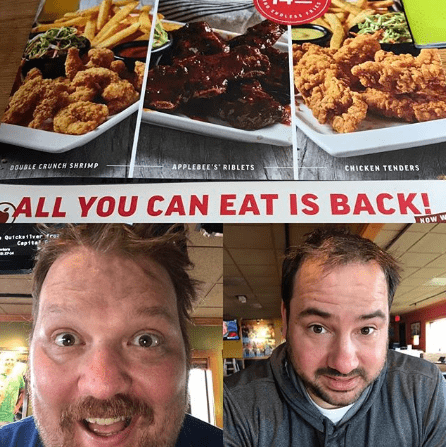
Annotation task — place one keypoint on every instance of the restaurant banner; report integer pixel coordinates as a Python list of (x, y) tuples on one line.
[(405, 201), (225, 94)]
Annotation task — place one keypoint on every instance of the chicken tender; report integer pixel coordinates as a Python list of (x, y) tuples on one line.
[(389, 105), (34, 73), (429, 110), (325, 88), (402, 74), (349, 120), (316, 65), (80, 117), (340, 86), (408, 107), (356, 51)]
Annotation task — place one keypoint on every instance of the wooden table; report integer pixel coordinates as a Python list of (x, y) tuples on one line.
[(16, 18), (108, 155), (171, 154), (425, 163)]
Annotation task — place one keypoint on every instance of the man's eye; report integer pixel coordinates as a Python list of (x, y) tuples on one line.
[(318, 329), (66, 339), (367, 330), (147, 340)]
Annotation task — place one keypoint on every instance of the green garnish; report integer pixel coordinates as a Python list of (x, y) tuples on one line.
[(394, 25), (54, 42), (160, 36)]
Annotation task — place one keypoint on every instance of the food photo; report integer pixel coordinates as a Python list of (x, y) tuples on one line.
[(70, 80), (241, 80), (369, 89), (73, 106), (218, 88)]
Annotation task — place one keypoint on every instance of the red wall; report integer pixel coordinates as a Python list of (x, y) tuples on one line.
[(429, 313)]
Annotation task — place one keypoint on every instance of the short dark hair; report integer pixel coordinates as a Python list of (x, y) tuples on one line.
[(333, 247), (165, 244)]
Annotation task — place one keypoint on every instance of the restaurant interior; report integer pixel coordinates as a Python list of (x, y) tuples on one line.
[(205, 249), (252, 260)]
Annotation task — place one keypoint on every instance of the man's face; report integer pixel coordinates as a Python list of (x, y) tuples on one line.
[(108, 361), (7, 363), (337, 330)]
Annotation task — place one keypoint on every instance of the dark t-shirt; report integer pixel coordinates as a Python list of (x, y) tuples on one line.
[(194, 433)]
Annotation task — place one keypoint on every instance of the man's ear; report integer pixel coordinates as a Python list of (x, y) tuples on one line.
[(284, 320)]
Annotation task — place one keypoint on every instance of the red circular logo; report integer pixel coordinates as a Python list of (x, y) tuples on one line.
[(292, 12)]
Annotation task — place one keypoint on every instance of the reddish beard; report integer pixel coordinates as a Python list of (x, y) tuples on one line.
[(164, 434), (117, 406)]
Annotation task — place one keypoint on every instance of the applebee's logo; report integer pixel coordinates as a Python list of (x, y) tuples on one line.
[(292, 12), (7, 210)]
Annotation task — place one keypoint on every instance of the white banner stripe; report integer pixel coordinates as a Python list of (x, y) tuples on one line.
[(362, 202)]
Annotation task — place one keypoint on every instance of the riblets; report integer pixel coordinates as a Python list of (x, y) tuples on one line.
[(202, 76), (247, 106), (243, 81), (196, 38), (263, 35)]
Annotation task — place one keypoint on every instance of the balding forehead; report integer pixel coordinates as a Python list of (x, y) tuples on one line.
[(96, 263), (105, 279), (318, 267)]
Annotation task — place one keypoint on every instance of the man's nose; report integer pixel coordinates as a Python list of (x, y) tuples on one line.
[(343, 355), (104, 373)]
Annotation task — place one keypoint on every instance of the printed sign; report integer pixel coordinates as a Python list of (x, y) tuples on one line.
[(292, 12)]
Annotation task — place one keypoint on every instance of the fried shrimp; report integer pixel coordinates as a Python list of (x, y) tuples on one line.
[(96, 77), (35, 102), (73, 63), (94, 87), (119, 95), (80, 117), (50, 101), (139, 72), (100, 57)]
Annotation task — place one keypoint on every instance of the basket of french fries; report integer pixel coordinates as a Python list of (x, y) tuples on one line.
[(343, 15), (110, 23)]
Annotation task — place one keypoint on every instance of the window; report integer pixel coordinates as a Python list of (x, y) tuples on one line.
[(201, 395), (436, 336)]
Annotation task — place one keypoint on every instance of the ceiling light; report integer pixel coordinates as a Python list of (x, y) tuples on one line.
[(242, 298), (210, 229), (436, 282)]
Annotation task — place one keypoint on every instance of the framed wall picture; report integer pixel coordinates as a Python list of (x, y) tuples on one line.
[(415, 329)]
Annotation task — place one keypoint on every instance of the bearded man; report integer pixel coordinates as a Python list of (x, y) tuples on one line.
[(334, 383), (109, 353)]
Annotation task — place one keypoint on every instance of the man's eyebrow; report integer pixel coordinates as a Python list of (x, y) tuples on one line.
[(376, 314), (313, 311), (56, 309), (155, 311), (145, 311)]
